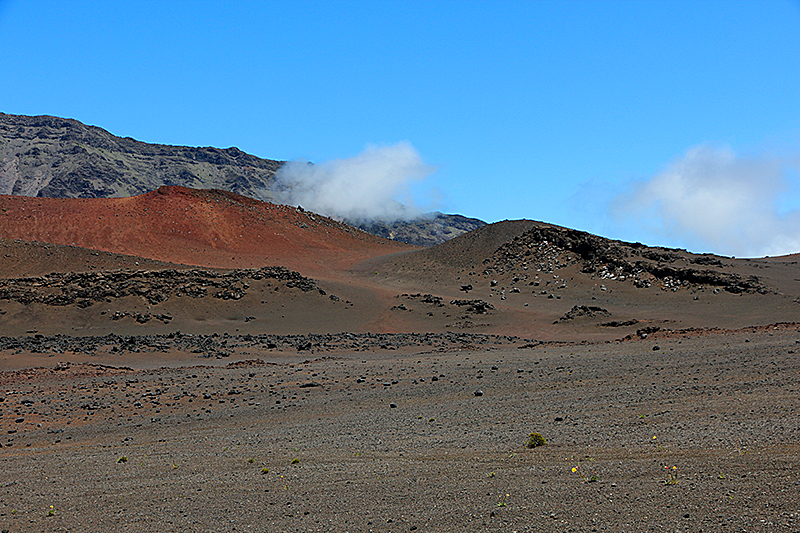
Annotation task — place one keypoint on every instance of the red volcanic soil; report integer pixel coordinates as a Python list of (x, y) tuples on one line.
[(211, 228), (171, 228)]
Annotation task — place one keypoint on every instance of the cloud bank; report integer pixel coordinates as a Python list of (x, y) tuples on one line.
[(360, 188), (720, 202)]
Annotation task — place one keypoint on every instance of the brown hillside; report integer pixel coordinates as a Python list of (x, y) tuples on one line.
[(545, 281)]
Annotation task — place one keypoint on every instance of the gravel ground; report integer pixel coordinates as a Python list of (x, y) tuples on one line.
[(405, 442)]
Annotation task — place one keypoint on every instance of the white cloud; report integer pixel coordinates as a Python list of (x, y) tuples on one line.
[(364, 187), (722, 202)]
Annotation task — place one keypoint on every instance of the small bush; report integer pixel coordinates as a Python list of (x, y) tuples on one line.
[(534, 440), (123, 459)]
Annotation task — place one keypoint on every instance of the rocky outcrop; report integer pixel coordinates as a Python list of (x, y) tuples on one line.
[(546, 248), (436, 301), (583, 311), (478, 307)]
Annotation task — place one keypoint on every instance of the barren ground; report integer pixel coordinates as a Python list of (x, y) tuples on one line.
[(301, 444), (189, 388)]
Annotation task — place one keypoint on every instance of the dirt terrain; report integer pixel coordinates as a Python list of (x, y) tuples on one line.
[(383, 441), (198, 361)]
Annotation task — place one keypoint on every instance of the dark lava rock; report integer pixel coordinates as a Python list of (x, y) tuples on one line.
[(474, 306), (577, 311), (154, 286)]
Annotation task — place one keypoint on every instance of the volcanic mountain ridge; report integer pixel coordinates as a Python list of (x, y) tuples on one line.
[(45, 156), (521, 250), (55, 157), (551, 248)]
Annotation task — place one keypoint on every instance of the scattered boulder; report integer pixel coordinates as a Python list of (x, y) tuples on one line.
[(474, 306), (619, 323), (580, 311)]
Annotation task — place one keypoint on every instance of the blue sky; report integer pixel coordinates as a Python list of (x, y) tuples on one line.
[(671, 123)]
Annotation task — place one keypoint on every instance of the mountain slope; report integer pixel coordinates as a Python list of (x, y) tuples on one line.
[(54, 157), (194, 227), (553, 282)]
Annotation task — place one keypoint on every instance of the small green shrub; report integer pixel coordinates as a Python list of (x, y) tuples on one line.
[(534, 440), (670, 475), (123, 459)]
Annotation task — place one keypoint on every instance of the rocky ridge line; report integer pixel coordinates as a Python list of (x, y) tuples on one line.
[(428, 230), (62, 158)]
